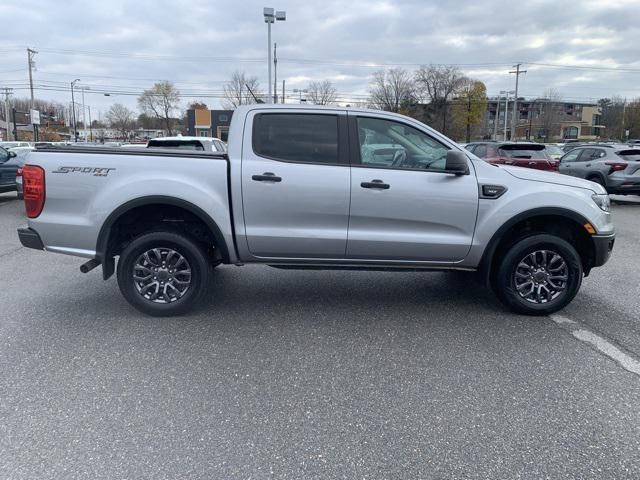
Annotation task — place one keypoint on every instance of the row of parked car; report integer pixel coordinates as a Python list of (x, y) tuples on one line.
[(614, 166)]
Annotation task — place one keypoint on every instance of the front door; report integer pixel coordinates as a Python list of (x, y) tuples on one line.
[(296, 184), (406, 207)]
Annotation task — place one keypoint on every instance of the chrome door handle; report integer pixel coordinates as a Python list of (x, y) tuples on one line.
[(266, 177)]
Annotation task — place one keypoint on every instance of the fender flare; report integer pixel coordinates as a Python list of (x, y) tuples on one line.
[(489, 252), (102, 244)]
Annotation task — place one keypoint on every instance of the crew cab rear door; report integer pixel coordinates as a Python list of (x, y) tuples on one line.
[(406, 208), (296, 183)]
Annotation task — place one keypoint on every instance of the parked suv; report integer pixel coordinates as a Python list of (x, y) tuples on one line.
[(616, 169), (529, 155)]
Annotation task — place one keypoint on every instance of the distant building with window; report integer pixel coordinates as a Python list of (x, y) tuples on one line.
[(542, 119), (209, 123)]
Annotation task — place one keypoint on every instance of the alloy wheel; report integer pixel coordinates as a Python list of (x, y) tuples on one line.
[(541, 276), (162, 275)]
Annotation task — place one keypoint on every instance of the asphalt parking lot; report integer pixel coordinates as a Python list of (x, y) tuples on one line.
[(286, 374)]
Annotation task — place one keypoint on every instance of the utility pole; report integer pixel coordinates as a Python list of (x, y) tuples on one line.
[(275, 73), (506, 114), (73, 110), (495, 122), (623, 134), (30, 54), (282, 91), (90, 127), (514, 115), (7, 92)]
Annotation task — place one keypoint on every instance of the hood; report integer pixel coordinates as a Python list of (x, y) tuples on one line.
[(552, 177)]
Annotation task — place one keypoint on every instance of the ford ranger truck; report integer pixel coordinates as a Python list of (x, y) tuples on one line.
[(310, 187)]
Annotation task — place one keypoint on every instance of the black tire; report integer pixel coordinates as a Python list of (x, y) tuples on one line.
[(164, 306), (597, 179), (506, 277)]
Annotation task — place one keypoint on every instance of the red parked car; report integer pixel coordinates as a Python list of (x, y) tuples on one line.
[(528, 155)]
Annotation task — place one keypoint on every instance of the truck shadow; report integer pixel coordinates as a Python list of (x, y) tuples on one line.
[(259, 292)]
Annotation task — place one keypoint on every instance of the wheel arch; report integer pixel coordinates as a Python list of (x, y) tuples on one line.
[(575, 220), (103, 245)]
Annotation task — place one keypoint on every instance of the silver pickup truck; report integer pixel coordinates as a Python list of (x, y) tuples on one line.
[(311, 187)]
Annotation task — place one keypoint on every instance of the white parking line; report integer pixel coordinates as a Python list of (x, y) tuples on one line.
[(603, 346), (559, 319), (609, 350)]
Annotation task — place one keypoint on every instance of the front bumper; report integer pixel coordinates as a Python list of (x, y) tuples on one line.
[(603, 246), (30, 238)]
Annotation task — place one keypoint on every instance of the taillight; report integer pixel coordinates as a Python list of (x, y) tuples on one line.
[(33, 189), (615, 166)]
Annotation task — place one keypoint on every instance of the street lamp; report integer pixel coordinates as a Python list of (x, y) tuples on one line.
[(73, 110), (506, 109), (84, 118), (270, 16)]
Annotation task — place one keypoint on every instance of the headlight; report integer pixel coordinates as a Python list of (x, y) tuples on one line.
[(602, 201)]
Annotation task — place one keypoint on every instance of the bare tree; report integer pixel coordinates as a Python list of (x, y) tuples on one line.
[(437, 84), (161, 101), (549, 113), (120, 118), (240, 90), (392, 89), (322, 93)]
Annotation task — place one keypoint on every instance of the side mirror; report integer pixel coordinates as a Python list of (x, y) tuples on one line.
[(457, 163), (12, 154)]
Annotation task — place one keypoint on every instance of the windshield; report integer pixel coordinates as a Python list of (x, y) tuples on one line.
[(554, 150)]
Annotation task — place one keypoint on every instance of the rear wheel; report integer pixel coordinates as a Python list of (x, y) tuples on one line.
[(539, 275), (163, 273), (597, 179)]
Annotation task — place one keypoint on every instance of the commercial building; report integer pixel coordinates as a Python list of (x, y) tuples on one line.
[(544, 119), (209, 123)]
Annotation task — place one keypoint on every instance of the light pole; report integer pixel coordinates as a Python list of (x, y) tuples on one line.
[(270, 16), (73, 110), (84, 117), (506, 93)]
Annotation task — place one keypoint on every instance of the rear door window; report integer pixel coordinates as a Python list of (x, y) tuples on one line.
[(586, 155), (295, 137)]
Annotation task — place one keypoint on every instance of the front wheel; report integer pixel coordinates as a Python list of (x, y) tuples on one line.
[(163, 273), (539, 275)]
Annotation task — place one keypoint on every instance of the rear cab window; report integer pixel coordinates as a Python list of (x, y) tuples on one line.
[(176, 144)]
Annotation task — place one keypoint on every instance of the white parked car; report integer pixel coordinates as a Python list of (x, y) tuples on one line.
[(205, 144)]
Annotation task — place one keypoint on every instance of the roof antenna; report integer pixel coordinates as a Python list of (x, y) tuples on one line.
[(254, 97)]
